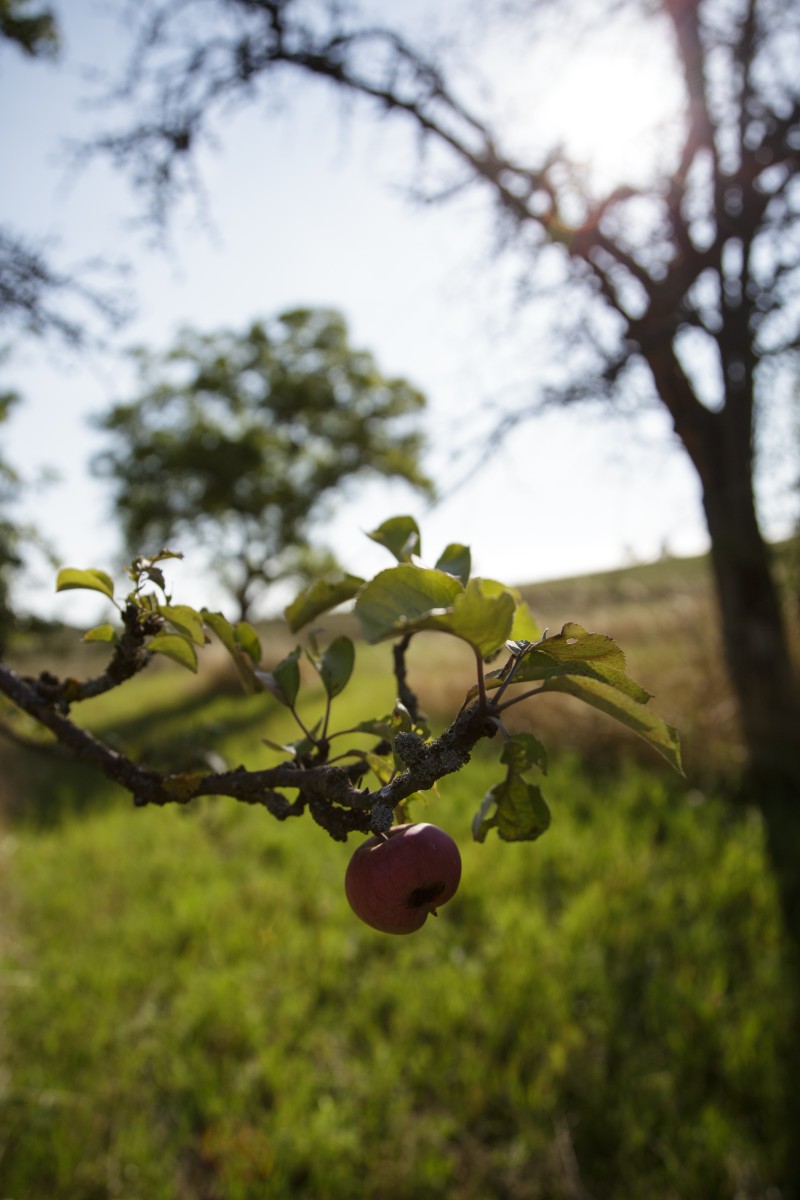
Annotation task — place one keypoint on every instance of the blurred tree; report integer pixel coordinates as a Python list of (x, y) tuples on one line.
[(10, 533), (36, 297), (237, 439), (25, 277), (705, 255), (35, 33)]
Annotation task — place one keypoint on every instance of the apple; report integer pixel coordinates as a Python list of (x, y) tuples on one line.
[(393, 881)]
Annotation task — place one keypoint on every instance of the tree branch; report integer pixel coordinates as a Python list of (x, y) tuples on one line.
[(327, 791)]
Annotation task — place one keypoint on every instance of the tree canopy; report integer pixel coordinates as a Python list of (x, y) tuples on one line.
[(34, 33), (37, 297), (10, 534), (237, 440), (679, 289)]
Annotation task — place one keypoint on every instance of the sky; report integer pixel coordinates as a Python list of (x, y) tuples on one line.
[(311, 207)]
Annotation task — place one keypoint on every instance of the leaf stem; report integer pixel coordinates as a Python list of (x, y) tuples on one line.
[(307, 733), (523, 696), (326, 718), (481, 683), (513, 665)]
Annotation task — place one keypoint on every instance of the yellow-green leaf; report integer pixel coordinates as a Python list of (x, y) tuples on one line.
[(631, 712), (101, 633), (247, 639), (400, 536), (226, 633), (525, 627), (186, 620), (178, 648), (320, 597), (403, 599), (70, 578), (575, 644)]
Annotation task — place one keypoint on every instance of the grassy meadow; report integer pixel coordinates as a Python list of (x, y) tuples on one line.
[(189, 1011)]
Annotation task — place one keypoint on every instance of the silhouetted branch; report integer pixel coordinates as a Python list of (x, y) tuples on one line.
[(36, 296)]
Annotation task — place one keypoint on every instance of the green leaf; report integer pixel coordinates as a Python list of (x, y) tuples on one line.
[(296, 749), (186, 620), (382, 768), (101, 633), (222, 628), (400, 535), (538, 665), (407, 599), (70, 578), (520, 811), (319, 597), (165, 554), (179, 649), (482, 618), (380, 727), (631, 712), (575, 644), (156, 576), (403, 599), (401, 718), (336, 665), (597, 678), (522, 751), (283, 682), (247, 639), (525, 627), (456, 560)]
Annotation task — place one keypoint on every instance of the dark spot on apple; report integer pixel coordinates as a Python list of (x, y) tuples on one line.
[(424, 895)]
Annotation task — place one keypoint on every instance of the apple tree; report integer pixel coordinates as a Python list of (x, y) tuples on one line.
[(697, 263), (361, 779)]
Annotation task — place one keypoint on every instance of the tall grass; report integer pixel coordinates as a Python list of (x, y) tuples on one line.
[(191, 1012)]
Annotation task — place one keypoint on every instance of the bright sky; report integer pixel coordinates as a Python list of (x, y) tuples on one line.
[(308, 209)]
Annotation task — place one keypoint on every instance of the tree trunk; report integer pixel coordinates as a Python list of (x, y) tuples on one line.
[(759, 661), (754, 633), (758, 654), (752, 624)]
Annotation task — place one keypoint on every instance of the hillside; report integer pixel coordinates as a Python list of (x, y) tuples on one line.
[(663, 614)]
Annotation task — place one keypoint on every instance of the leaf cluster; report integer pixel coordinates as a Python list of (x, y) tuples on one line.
[(325, 768)]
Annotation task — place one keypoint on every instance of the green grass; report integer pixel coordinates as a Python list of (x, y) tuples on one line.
[(192, 1011), (189, 1011)]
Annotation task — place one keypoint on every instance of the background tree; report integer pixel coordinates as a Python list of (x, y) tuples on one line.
[(10, 534), (237, 440), (34, 33), (36, 297), (705, 252)]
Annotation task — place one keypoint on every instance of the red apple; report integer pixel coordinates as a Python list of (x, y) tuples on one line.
[(393, 882)]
